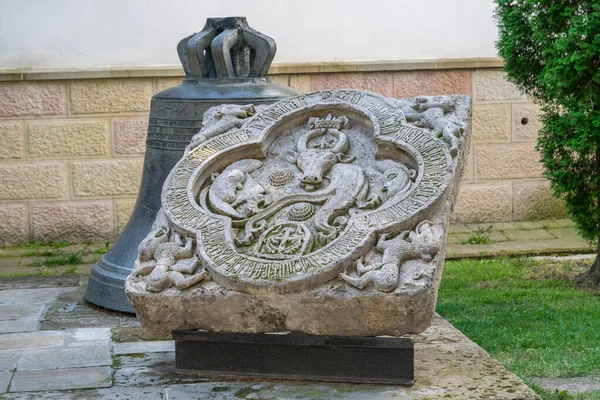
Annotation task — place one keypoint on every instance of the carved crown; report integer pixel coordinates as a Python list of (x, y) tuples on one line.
[(328, 122)]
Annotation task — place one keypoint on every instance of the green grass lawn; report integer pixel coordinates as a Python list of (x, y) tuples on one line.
[(529, 315)]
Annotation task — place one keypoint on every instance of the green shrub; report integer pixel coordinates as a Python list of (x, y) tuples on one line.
[(551, 51)]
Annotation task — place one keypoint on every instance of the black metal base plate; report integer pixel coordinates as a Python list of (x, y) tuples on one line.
[(296, 356)]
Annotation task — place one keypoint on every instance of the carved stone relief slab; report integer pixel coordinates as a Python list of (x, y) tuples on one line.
[(340, 188)]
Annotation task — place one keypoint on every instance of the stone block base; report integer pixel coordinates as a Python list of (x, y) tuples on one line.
[(332, 309)]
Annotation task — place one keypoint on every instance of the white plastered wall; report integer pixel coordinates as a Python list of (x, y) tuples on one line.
[(122, 33)]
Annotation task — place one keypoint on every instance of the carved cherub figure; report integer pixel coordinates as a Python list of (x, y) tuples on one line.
[(422, 243), (229, 116), (166, 262), (436, 113)]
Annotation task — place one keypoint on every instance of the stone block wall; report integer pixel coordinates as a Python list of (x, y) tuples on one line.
[(71, 151)]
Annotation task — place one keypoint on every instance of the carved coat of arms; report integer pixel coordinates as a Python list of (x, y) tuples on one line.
[(329, 186)]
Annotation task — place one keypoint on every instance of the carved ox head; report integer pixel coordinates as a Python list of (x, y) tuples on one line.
[(315, 162)]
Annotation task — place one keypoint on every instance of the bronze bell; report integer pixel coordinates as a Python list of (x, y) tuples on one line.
[(226, 62)]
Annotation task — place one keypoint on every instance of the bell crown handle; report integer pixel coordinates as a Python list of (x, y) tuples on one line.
[(226, 48)]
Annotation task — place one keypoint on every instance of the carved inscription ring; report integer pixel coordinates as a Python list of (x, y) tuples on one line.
[(288, 256)]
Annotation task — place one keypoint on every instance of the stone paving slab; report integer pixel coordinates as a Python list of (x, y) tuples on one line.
[(8, 360), (71, 311), (31, 340), (282, 390), (88, 337), (149, 360), (529, 247), (34, 296), (535, 234), (496, 226), (144, 347), (458, 238), (12, 312), (5, 378), (61, 379), (42, 281), (516, 238), (113, 393), (147, 369), (19, 325), (572, 385), (146, 376), (61, 358)]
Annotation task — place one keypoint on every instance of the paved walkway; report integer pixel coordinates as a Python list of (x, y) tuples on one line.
[(56, 346), (513, 238)]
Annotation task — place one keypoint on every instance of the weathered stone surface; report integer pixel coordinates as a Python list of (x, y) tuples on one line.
[(26, 296), (144, 347), (129, 135), (535, 234), (44, 180), (534, 200), (70, 137), (272, 390), (8, 360), (491, 85), (300, 82), (73, 357), (378, 82), (5, 378), (19, 325), (479, 203), (61, 379), (106, 177), (78, 221), (20, 99), (15, 227), (91, 96), (124, 209), (507, 161), (83, 335), (18, 311), (525, 122), (491, 123), (432, 83), (572, 385), (463, 370), (109, 393), (330, 310), (11, 137), (31, 340), (292, 238)]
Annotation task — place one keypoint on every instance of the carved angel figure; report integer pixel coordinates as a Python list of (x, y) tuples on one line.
[(165, 262), (441, 114), (229, 116), (423, 243)]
